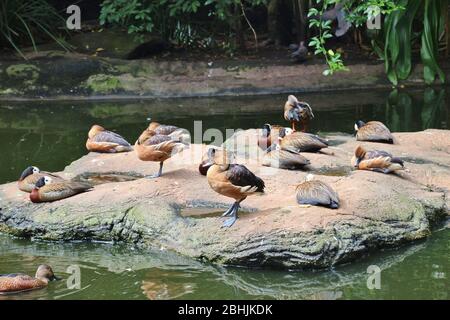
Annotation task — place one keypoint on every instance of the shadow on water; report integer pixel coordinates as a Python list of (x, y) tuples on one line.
[(120, 272), (52, 134)]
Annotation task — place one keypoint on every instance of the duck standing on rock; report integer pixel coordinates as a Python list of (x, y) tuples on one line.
[(374, 131), (47, 190), (19, 282), (270, 134), (151, 146), (102, 140), (316, 193), (376, 160), (297, 111), (31, 175), (231, 180), (301, 142)]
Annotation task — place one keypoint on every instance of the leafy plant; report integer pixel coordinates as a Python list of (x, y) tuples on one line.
[(27, 22)]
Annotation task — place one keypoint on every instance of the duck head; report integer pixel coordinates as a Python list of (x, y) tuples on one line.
[(95, 129), (284, 132), (218, 157), (359, 124), (145, 135), (45, 273), (267, 128), (153, 125), (360, 153), (42, 182), (29, 171)]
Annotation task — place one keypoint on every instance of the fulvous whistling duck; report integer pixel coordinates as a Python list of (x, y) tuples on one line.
[(19, 282), (231, 180), (296, 111), (174, 132), (374, 131), (270, 135), (31, 175), (376, 160), (102, 140), (301, 142), (283, 159), (157, 147), (47, 190), (316, 193)]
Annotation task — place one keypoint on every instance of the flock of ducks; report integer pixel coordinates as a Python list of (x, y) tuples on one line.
[(283, 149)]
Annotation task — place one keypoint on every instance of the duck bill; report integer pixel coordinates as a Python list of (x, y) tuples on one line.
[(207, 164)]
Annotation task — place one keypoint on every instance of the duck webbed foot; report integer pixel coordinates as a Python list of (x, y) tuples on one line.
[(158, 174), (232, 213)]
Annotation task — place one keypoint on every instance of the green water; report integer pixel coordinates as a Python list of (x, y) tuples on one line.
[(52, 134)]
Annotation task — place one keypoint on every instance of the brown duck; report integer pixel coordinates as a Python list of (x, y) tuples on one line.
[(47, 190), (102, 140), (376, 160), (373, 131), (19, 282), (174, 132), (157, 147), (270, 134), (233, 181), (283, 159), (301, 142), (297, 112), (31, 175), (316, 193)]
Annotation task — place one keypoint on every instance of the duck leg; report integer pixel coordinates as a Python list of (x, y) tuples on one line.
[(293, 125), (230, 209), (232, 214), (158, 174)]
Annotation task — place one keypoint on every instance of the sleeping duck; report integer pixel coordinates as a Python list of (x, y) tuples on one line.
[(47, 190), (376, 160), (316, 193), (373, 131), (283, 159), (270, 134), (231, 180), (102, 140), (301, 142)]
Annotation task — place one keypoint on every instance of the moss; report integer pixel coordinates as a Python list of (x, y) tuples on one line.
[(103, 83), (9, 91), (27, 72)]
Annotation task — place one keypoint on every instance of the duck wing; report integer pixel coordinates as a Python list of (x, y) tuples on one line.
[(374, 131), (303, 142), (284, 159), (166, 129), (239, 175), (317, 193), (111, 137)]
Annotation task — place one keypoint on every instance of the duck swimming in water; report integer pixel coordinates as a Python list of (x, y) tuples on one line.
[(297, 111), (233, 181), (373, 131), (376, 160), (102, 140), (270, 135), (316, 193), (31, 175), (47, 190), (301, 142), (19, 282), (151, 146), (283, 159)]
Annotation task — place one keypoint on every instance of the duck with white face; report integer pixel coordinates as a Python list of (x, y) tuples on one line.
[(31, 175), (270, 134), (48, 190), (373, 131)]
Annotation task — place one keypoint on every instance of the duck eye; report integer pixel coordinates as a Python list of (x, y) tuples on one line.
[(35, 170)]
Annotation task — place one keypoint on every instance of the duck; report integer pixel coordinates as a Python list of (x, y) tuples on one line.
[(297, 111), (233, 181), (283, 159), (204, 164), (151, 146), (31, 175), (47, 190), (374, 131), (270, 134), (300, 52), (172, 131), (376, 160), (313, 192), (299, 141), (19, 282), (102, 140)]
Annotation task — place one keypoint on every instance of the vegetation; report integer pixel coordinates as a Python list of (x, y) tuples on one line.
[(28, 22)]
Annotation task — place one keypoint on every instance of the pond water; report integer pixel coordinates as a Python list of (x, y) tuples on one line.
[(51, 135)]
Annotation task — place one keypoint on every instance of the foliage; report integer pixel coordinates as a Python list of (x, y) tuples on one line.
[(26, 22), (172, 19)]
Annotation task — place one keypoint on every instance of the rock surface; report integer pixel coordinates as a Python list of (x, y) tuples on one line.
[(179, 212)]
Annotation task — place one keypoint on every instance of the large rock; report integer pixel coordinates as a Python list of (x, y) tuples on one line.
[(179, 212)]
